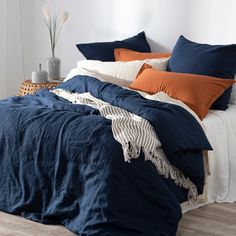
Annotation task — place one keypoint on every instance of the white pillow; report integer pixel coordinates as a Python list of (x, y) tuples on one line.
[(121, 70), (105, 78)]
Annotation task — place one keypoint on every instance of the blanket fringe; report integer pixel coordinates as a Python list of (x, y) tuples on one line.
[(163, 166)]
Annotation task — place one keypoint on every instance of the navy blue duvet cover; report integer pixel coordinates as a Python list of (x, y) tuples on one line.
[(59, 163)]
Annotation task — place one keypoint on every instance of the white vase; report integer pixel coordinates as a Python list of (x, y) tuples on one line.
[(53, 68)]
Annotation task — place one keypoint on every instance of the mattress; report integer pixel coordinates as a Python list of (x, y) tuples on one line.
[(221, 131)]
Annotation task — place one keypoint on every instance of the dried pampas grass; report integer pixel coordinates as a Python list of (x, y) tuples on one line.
[(54, 25)]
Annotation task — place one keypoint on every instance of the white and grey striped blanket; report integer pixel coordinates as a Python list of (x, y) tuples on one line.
[(134, 134)]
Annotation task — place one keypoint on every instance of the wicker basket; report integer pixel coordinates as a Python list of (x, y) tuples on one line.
[(27, 87)]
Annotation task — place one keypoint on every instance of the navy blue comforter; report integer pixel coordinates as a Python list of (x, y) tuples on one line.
[(60, 164)]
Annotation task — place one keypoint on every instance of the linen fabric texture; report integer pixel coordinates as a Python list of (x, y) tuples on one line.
[(82, 163), (123, 54), (204, 59), (104, 51), (121, 73), (196, 91)]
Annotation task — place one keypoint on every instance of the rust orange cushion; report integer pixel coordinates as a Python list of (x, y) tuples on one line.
[(196, 91), (123, 54)]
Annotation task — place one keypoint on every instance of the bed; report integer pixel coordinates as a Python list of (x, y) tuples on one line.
[(103, 159)]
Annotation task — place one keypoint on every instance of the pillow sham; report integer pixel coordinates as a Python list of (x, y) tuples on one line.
[(104, 51), (123, 54), (204, 59), (121, 70), (196, 91)]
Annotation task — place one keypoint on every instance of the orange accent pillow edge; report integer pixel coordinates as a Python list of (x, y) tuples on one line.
[(123, 54)]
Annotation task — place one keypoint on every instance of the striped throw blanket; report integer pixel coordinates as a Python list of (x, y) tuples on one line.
[(134, 134)]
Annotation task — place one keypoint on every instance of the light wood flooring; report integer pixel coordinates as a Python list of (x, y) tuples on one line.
[(211, 220)]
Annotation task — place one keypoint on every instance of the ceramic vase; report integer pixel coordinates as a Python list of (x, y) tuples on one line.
[(53, 68), (39, 76)]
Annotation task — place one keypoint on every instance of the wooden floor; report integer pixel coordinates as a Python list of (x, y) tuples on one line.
[(211, 220)]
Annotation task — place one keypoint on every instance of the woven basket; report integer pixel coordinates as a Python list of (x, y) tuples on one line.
[(27, 87)]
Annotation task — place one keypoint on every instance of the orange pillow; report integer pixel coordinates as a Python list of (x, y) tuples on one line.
[(196, 91), (123, 54)]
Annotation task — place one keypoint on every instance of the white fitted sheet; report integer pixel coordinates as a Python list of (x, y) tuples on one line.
[(221, 131)]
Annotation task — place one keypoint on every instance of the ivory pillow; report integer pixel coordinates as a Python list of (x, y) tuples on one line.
[(121, 70), (104, 78)]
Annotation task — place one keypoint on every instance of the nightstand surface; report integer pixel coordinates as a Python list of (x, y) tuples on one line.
[(27, 87)]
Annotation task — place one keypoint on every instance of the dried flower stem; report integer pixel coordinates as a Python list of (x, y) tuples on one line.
[(54, 26)]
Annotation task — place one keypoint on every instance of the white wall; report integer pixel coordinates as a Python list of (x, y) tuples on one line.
[(12, 37), (209, 21)]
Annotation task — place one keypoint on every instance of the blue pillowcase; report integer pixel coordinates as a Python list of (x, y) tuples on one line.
[(104, 51), (203, 59)]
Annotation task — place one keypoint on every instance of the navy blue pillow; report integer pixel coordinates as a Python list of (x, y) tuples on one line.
[(204, 59), (104, 51)]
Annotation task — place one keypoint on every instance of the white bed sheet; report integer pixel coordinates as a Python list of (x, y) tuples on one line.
[(221, 131)]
